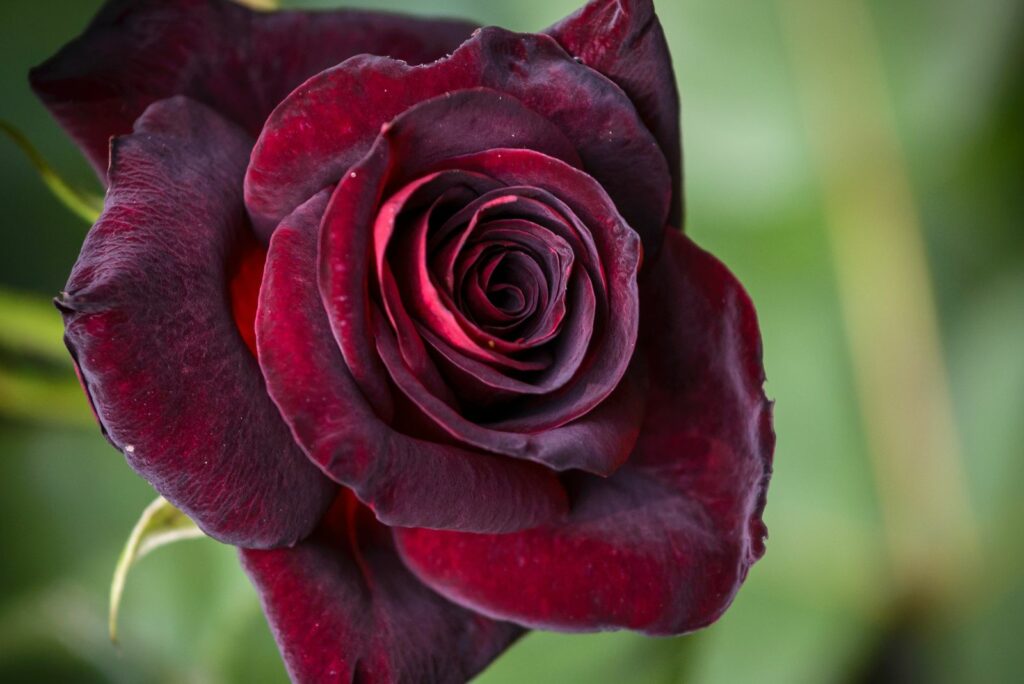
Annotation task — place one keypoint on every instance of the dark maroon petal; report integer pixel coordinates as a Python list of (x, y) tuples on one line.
[(619, 250), (414, 354), (409, 146), (346, 243), (440, 321), (481, 383), (330, 122), (664, 544), (406, 481), (598, 442), (474, 364), (239, 62), (623, 40), (496, 287), (343, 608), (557, 431), (548, 214), (149, 322)]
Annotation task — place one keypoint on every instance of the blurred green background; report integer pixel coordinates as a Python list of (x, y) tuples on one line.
[(860, 167)]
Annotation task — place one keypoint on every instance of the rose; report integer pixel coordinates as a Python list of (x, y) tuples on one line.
[(416, 333)]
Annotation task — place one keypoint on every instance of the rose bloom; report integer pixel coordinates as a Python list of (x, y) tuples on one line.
[(402, 308)]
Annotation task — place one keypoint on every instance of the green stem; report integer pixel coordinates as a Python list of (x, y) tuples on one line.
[(86, 205)]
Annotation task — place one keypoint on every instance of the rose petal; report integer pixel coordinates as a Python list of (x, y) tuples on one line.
[(440, 316), (344, 608), (149, 323), (412, 146), (623, 40), (348, 104), (598, 442), (545, 211), (405, 147), (239, 62), (454, 338), (620, 260), (664, 544), (485, 385), (442, 322), (406, 481), (543, 431), (537, 305)]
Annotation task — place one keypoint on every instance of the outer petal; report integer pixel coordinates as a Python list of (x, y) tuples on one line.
[(149, 323), (239, 62), (349, 103), (623, 40), (345, 609), (405, 480), (663, 545)]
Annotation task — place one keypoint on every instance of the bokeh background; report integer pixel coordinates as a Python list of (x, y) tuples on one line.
[(859, 164)]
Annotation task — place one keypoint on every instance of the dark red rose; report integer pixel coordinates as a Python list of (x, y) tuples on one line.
[(401, 308)]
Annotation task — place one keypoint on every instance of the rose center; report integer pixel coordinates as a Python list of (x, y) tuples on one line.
[(504, 288), (501, 276)]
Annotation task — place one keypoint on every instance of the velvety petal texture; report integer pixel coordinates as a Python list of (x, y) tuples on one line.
[(293, 160), (343, 608), (663, 545), (149, 321), (384, 347), (406, 481), (399, 307), (623, 40), (238, 61)]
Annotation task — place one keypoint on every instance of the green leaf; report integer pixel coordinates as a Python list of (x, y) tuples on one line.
[(85, 204), (160, 524)]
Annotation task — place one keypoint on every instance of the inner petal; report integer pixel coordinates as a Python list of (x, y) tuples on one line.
[(508, 299), (545, 272), (401, 235), (504, 290)]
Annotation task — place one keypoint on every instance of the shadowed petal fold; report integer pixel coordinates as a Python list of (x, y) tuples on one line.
[(662, 545), (343, 608), (148, 319), (239, 62)]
